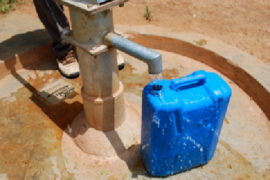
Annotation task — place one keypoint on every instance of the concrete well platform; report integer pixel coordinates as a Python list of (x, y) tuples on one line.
[(35, 121)]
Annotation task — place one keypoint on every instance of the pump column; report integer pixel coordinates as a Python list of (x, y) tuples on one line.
[(102, 91)]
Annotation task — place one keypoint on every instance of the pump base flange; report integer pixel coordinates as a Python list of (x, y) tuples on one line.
[(90, 153)]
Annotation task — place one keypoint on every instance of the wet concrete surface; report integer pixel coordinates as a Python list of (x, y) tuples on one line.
[(31, 129)]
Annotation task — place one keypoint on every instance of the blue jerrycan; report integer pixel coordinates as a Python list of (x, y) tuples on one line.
[(181, 121)]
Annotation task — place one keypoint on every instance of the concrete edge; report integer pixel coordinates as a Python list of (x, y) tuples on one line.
[(248, 72)]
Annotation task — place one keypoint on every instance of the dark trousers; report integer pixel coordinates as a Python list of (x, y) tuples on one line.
[(52, 16)]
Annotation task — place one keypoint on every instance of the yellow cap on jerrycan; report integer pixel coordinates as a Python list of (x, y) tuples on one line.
[(181, 121)]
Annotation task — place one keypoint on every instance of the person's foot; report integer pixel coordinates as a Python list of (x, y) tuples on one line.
[(69, 66)]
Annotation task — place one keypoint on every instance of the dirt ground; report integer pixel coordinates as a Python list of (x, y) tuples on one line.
[(244, 24)]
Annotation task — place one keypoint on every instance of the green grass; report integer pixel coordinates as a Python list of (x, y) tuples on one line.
[(148, 14), (6, 5)]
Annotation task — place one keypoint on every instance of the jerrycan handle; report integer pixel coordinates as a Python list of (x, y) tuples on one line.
[(191, 81)]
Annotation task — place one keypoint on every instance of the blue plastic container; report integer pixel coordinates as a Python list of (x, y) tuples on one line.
[(181, 122)]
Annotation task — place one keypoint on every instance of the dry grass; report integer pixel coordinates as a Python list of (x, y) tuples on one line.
[(6, 5)]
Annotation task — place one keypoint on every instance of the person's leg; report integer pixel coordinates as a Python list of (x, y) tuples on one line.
[(52, 16)]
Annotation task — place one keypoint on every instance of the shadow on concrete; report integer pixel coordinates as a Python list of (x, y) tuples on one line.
[(58, 112), (119, 148), (21, 43), (26, 51)]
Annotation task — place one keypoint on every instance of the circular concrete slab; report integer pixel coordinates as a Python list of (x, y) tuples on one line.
[(32, 126)]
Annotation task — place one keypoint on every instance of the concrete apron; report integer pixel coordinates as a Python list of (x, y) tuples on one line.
[(38, 107)]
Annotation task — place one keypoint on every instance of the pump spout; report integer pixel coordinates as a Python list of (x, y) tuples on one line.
[(150, 57)]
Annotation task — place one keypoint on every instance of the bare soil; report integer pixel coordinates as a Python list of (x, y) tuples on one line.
[(244, 24)]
